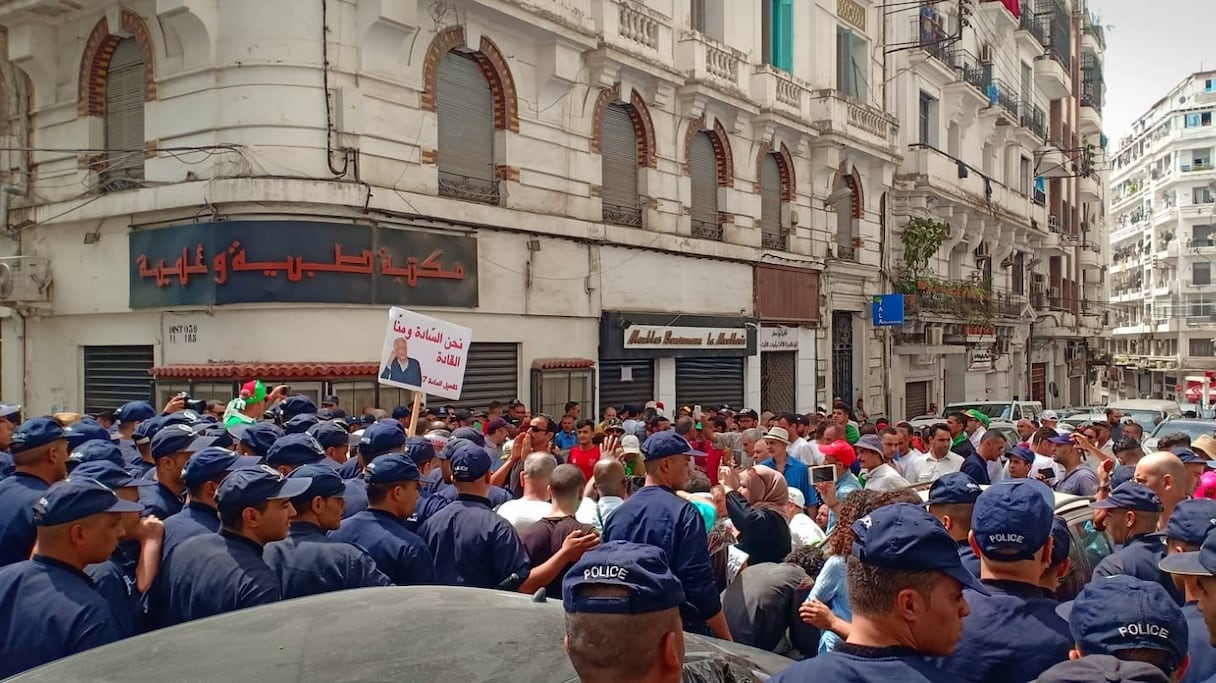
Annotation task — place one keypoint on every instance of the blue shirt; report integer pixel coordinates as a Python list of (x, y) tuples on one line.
[(131, 454), (563, 440), (832, 589), (355, 497), (967, 555), (858, 664), (397, 551), (497, 494), (431, 483), (411, 374), (216, 573), (1139, 557), (160, 501), (349, 469), (195, 519), (6, 464), (976, 467), (115, 581), (1203, 655), (18, 494), (1011, 636), (797, 476), (308, 562), (474, 546), (845, 484), (656, 516), (1082, 481), (48, 610)]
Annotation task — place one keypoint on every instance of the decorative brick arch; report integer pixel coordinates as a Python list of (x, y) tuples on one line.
[(852, 180), (785, 166), (639, 113), (95, 62), (493, 66), (722, 154)]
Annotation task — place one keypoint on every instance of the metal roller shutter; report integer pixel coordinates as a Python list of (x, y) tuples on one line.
[(124, 118), (114, 375), (465, 118), (709, 381), (704, 172), (492, 374), (615, 392), (778, 385), (916, 399), (619, 165)]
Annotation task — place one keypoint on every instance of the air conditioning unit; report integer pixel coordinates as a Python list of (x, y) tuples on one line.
[(986, 54), (25, 279), (934, 335)]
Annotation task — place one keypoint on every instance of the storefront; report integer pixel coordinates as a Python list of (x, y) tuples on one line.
[(787, 303), (779, 368), (677, 359)]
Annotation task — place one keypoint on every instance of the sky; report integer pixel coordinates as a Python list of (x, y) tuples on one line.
[(1150, 48)]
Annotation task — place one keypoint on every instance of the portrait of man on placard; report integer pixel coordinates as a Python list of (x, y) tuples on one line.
[(400, 367)]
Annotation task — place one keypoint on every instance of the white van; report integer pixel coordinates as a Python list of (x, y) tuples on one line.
[(1147, 412)]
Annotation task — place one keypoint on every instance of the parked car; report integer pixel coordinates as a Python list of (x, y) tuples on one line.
[(1147, 412), (1079, 419), (1194, 410), (1193, 428), (323, 638), (1000, 410)]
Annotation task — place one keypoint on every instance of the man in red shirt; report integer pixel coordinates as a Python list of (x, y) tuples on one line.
[(585, 453), (708, 463)]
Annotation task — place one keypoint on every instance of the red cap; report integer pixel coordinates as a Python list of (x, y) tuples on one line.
[(840, 451)]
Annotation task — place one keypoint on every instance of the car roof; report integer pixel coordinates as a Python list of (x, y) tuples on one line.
[(1080, 418), (498, 636), (1144, 404)]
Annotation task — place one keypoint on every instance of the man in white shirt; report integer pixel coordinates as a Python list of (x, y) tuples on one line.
[(938, 461), (879, 475), (526, 510), (803, 529), (604, 493), (800, 449), (1044, 460), (1051, 420)]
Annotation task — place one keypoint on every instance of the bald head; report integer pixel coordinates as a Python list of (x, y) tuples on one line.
[(539, 466), (1165, 474), (609, 476), (566, 483)]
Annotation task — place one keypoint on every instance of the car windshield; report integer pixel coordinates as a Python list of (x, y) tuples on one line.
[(1145, 418), (994, 410), (1191, 429)]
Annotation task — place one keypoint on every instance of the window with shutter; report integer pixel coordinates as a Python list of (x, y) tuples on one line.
[(772, 234), (619, 165), (704, 172), (123, 121), (465, 118)]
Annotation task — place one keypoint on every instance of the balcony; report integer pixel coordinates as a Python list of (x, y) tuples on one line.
[(1201, 246), (1051, 78), (1031, 35), (1005, 110), (1091, 191), (704, 60), (1090, 257), (778, 91), (833, 112), (1093, 90), (966, 300), (634, 29), (1002, 15), (1034, 119)]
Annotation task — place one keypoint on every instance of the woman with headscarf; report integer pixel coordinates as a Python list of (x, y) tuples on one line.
[(756, 499)]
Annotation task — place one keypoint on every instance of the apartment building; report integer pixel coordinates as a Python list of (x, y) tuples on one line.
[(1162, 247), (1002, 109)]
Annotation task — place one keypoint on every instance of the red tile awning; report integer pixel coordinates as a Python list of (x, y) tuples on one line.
[(250, 370), (562, 363)]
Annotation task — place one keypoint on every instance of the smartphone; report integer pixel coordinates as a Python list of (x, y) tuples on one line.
[(821, 474), (696, 412), (1048, 472)]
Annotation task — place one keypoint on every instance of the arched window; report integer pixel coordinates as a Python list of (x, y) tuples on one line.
[(773, 234), (619, 166), (703, 170), (124, 118), (465, 118)]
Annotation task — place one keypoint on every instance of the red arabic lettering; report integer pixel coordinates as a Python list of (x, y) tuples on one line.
[(452, 359), (431, 335)]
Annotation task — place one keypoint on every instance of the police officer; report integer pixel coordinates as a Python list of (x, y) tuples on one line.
[(49, 606), (10, 417), (655, 515), (905, 586), (126, 419), (171, 447), (335, 440), (212, 574), (300, 424), (204, 472), (1133, 512), (40, 454), (1190, 524), (1198, 572), (296, 405), (624, 588), (1131, 619), (141, 442), (83, 431), (378, 439), (353, 467), (497, 495), (293, 450), (951, 500), (96, 451), (473, 545), (255, 439), (1061, 563), (120, 579), (1011, 532), (308, 562), (1102, 669), (392, 493)]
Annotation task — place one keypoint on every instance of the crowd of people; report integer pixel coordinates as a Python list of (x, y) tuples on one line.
[(862, 549)]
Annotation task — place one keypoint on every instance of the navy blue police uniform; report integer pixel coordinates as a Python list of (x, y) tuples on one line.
[(655, 515), (1140, 555), (160, 500), (217, 573), (1198, 563), (1012, 634), (958, 488), (258, 437), (12, 413), (472, 544), (96, 451), (397, 551), (142, 436), (300, 424), (901, 537), (331, 435), (296, 405), (293, 450), (1190, 523), (308, 562), (1113, 614), (115, 578), (128, 413), (386, 437), (48, 608), (20, 491), (85, 430)]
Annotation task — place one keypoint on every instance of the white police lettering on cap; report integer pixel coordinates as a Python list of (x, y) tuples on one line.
[(185, 429), (371, 467), (270, 470), (315, 444), (365, 440), (866, 521), (1006, 538), (972, 486), (606, 572), (1144, 630)]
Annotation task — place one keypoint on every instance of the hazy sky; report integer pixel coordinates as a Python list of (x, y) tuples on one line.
[(1150, 47)]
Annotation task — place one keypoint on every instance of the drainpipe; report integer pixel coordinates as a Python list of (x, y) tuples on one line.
[(6, 192)]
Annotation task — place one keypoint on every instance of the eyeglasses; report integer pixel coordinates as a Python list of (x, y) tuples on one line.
[(535, 428)]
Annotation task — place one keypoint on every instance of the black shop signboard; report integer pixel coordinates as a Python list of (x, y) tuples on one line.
[(237, 262)]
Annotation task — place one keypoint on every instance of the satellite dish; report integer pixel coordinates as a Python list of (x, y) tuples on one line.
[(6, 281)]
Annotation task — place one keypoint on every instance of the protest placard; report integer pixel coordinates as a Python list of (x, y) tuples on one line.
[(424, 354)]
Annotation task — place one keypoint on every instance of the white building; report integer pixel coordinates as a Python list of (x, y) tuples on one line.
[(1162, 246), (204, 191), (1002, 111)]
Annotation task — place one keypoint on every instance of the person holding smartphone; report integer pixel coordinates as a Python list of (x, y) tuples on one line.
[(1079, 479)]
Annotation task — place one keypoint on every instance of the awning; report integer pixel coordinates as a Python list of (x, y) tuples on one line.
[(562, 363), (250, 370)]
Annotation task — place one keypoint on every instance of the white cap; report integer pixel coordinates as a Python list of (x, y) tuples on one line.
[(1050, 415), (630, 444), (797, 498)]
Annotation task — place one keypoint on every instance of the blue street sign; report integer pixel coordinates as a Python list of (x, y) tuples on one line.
[(887, 310)]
